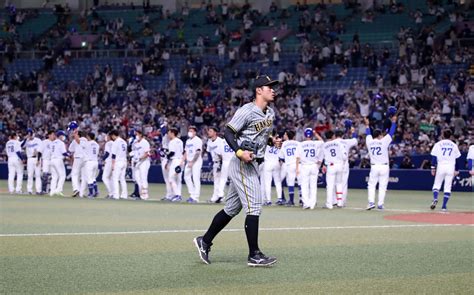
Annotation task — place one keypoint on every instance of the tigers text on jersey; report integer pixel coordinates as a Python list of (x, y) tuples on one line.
[(192, 146), (46, 149), (176, 146), (91, 151), (140, 148), (13, 146), (78, 148), (32, 147), (272, 154), (378, 149), (58, 148), (119, 149), (334, 152), (214, 147), (252, 124), (310, 151), (288, 151), (446, 152)]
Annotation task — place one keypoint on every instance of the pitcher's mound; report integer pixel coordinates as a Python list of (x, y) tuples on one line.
[(436, 217)]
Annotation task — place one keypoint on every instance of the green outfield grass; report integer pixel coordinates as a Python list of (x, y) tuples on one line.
[(99, 246)]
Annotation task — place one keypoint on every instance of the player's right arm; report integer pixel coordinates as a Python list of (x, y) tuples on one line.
[(434, 159)]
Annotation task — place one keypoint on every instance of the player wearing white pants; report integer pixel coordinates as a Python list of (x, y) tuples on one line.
[(470, 164), (443, 167), (77, 148), (141, 160), (91, 165), (33, 167), (288, 156), (58, 171), (348, 145), (107, 170), (164, 161), (175, 163), (119, 165), (192, 170), (15, 164), (334, 157), (214, 147), (272, 171), (378, 146), (308, 159), (45, 154)]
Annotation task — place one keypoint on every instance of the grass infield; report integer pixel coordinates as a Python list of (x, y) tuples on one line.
[(51, 245)]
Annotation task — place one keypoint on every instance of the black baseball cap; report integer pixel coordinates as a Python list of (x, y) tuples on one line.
[(264, 80)]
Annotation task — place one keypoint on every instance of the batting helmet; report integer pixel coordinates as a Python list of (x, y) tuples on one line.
[(308, 133), (29, 131), (72, 125), (131, 133)]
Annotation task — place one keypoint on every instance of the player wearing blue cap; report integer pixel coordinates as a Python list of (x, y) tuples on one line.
[(309, 155)]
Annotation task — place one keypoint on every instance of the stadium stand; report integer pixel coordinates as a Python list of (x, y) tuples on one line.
[(143, 66)]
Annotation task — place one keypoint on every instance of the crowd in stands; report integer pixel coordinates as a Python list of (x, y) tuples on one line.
[(204, 92)]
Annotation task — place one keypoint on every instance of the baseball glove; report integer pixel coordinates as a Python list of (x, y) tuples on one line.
[(178, 169), (248, 146)]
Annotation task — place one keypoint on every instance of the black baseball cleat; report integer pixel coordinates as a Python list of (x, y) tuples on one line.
[(258, 259), (75, 194), (203, 249), (433, 204)]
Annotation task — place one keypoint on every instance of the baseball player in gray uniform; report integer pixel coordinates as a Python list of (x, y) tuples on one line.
[(248, 134)]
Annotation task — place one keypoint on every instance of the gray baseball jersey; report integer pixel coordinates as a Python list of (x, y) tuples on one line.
[(249, 123), (252, 124)]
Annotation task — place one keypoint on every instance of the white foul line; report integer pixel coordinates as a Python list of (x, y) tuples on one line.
[(232, 230)]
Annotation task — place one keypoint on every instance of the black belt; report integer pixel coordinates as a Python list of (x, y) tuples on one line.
[(380, 164), (33, 157)]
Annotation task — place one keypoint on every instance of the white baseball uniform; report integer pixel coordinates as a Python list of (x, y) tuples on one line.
[(309, 155), (348, 145), (33, 169), (214, 147), (288, 154), (58, 171), (272, 171), (334, 157), (46, 162), (446, 153), (470, 157), (379, 166), (141, 165), (227, 153), (107, 172), (175, 146), (192, 176), (15, 166), (119, 164), (77, 179), (164, 160), (91, 158), (46, 155)]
